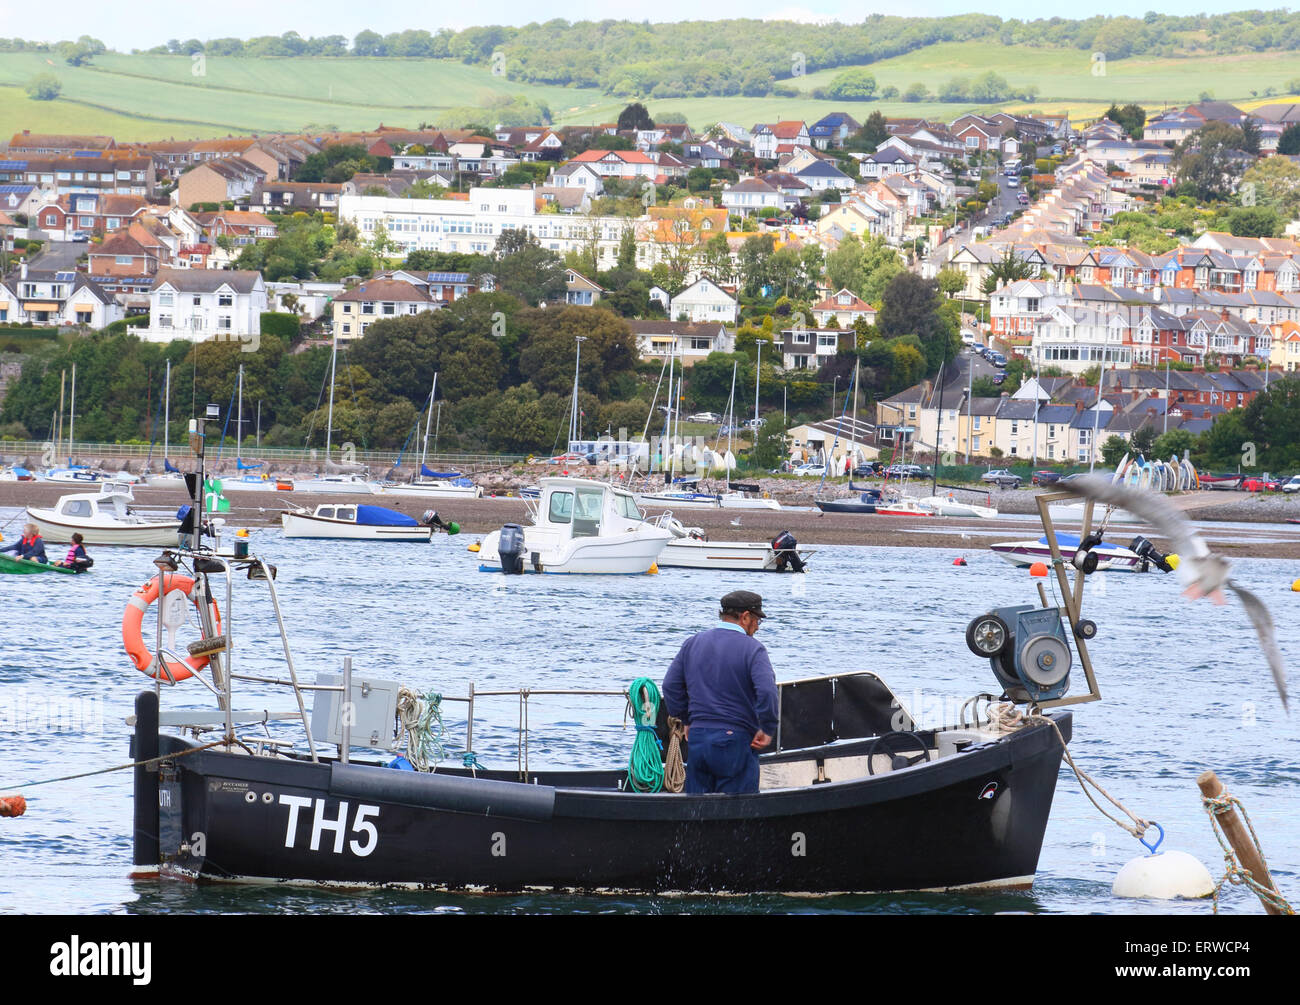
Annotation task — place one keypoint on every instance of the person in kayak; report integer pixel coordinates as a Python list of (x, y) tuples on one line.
[(31, 545), (77, 557), (721, 684)]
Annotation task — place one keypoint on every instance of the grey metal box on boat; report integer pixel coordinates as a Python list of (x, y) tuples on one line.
[(375, 710)]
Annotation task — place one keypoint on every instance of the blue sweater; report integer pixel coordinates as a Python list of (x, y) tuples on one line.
[(33, 548), (722, 678)]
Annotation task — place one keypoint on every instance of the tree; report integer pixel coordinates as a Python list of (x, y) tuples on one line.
[(873, 133), (1143, 440), (1288, 143), (635, 116), (1275, 183), (1131, 118), (1172, 444), (525, 269), (43, 87), (951, 281), (1113, 449), (852, 85), (546, 354), (1211, 160), (769, 444)]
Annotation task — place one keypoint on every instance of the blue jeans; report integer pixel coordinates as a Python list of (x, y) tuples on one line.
[(721, 760)]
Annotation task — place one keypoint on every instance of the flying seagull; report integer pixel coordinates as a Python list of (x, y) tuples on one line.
[(1203, 572)]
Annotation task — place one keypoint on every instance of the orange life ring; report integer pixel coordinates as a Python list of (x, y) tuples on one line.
[(133, 637)]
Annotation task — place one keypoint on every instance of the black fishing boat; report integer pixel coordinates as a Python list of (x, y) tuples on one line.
[(853, 795), (868, 499)]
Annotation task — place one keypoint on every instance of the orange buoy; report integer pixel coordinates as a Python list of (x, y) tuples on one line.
[(12, 806), (1038, 569), (959, 561)]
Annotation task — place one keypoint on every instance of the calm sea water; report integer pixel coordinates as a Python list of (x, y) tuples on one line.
[(1184, 688)]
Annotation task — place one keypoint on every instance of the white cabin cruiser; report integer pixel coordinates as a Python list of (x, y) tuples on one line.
[(579, 526), (104, 518), (433, 485), (342, 484), (950, 505)]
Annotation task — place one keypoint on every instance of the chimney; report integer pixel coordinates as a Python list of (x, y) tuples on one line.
[(1223, 314), (22, 270)]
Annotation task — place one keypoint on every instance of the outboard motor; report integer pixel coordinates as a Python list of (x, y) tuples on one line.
[(431, 519), (1150, 556), (510, 548), (1028, 649), (784, 545)]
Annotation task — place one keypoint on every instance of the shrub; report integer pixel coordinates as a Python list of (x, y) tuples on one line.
[(286, 326)]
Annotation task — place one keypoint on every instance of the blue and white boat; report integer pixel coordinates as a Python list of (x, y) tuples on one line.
[(432, 484), (352, 522)]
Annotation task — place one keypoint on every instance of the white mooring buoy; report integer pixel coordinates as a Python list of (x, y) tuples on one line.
[(1169, 875)]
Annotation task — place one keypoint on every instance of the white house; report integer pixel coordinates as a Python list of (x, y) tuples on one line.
[(751, 195), (202, 304), (34, 297), (704, 300)]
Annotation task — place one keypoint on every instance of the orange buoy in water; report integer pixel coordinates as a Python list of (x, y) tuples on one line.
[(12, 806), (653, 570), (1038, 569), (959, 561)]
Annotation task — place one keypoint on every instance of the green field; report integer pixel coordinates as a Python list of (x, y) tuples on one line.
[(151, 97)]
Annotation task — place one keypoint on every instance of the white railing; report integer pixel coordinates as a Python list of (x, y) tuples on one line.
[(290, 455)]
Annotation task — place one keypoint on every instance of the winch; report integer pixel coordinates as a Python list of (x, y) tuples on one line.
[(1027, 647)]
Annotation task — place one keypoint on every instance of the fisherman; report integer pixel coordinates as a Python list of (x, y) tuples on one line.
[(31, 545), (722, 687)]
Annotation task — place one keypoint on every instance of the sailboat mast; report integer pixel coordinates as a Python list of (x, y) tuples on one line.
[(731, 422), (853, 456), (167, 411), (72, 413), (259, 423), (938, 429), (668, 425), (58, 426), (239, 426), (424, 453), (573, 416), (329, 421)]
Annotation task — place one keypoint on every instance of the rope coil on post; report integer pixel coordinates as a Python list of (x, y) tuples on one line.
[(1234, 873), (645, 766)]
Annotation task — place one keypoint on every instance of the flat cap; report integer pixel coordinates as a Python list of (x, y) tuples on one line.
[(743, 600)]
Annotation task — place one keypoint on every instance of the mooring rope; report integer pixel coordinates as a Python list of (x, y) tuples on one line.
[(420, 721), (1006, 718), (133, 764), (1233, 872)]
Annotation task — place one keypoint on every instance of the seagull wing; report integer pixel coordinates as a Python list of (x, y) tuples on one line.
[(1154, 508), (1263, 622)]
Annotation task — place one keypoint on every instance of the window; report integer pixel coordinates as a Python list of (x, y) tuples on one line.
[(223, 322), (367, 308), (561, 508), (976, 445), (83, 317), (347, 329), (224, 300), (164, 320), (390, 308), (348, 513), (347, 308), (197, 300), (123, 259)]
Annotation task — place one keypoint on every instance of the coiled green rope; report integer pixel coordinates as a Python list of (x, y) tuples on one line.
[(645, 766)]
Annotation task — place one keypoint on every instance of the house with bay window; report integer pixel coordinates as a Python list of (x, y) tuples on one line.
[(203, 304)]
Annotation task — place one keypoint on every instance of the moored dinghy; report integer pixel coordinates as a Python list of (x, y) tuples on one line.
[(360, 523)]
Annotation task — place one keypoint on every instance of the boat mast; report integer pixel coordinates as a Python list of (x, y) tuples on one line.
[(938, 429), (58, 426), (731, 422), (1096, 418), (668, 424), (239, 425), (329, 421), (72, 413), (853, 456), (573, 416), (259, 423), (167, 411), (424, 453)]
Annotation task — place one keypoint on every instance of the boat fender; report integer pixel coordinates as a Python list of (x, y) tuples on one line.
[(481, 796), (133, 619), (959, 561), (12, 806), (1170, 875), (653, 570)]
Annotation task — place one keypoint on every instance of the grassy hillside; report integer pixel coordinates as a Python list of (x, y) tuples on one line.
[(150, 97)]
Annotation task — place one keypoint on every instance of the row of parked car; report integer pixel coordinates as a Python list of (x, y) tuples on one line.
[(1272, 483)]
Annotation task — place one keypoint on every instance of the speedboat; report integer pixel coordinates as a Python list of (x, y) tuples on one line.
[(358, 523), (256, 483), (691, 548), (74, 474), (579, 526), (105, 517), (1139, 557), (867, 501), (740, 496)]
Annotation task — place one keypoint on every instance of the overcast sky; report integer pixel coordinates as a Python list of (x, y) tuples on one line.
[(245, 18)]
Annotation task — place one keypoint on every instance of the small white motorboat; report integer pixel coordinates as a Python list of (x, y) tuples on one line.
[(906, 506), (432, 485), (341, 484), (739, 496), (74, 474), (691, 548), (256, 483), (352, 522), (105, 518), (950, 505), (579, 526)]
